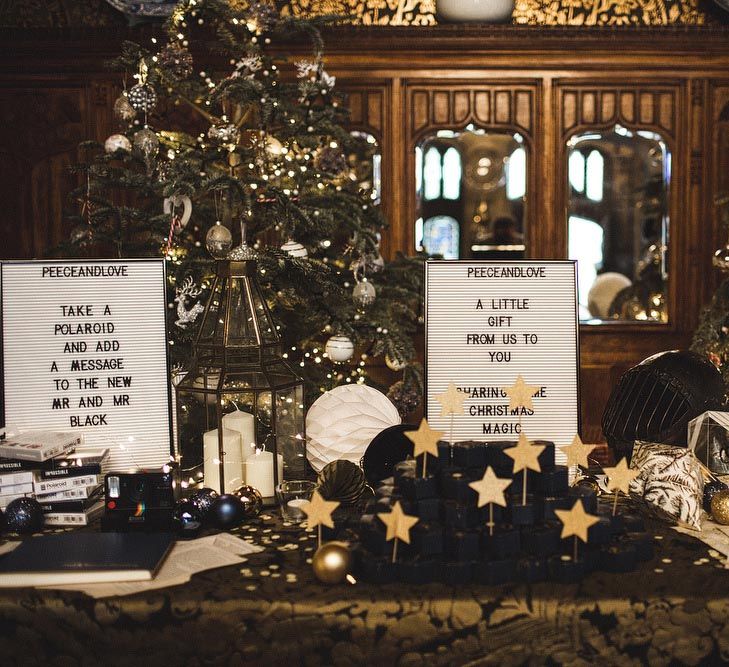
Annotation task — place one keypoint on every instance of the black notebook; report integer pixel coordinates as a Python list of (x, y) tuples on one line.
[(84, 558)]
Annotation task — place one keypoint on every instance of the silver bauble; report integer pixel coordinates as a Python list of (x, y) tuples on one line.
[(226, 133), (117, 142), (146, 143), (123, 110), (364, 293), (219, 241), (339, 348), (295, 249), (142, 97)]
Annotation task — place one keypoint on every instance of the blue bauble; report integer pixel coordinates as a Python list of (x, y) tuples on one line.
[(24, 516), (203, 500), (187, 518), (227, 512)]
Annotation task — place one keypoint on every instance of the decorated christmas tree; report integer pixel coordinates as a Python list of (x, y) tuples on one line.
[(226, 140), (711, 337)]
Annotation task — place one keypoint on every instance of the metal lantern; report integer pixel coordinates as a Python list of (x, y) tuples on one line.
[(240, 405)]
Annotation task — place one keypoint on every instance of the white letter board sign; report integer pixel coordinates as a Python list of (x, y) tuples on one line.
[(488, 322), (85, 348)]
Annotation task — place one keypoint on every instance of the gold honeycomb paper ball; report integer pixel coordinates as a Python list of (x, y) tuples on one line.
[(720, 507), (332, 562)]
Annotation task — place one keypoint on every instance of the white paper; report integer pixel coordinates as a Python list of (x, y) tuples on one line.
[(185, 560)]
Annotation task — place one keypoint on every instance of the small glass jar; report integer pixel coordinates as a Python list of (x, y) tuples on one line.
[(291, 496)]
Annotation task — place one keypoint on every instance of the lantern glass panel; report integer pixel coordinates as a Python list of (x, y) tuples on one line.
[(290, 432)]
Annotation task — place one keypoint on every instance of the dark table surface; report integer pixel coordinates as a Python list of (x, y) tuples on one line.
[(271, 611)]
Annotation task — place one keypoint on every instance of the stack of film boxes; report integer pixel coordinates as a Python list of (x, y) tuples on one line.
[(46, 466)]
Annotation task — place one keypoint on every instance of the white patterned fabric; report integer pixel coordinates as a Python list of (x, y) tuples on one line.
[(670, 479)]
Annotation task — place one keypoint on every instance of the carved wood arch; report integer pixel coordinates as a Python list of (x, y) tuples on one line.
[(501, 106), (653, 106)]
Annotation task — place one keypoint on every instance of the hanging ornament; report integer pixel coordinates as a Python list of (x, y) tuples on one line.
[(225, 134), (405, 399), (295, 249), (332, 562), (24, 516), (721, 258), (219, 241), (185, 315), (242, 252), (330, 159), (123, 110), (260, 16), (117, 142), (364, 293), (394, 364), (147, 144), (142, 97), (177, 59), (273, 147), (179, 208), (339, 348)]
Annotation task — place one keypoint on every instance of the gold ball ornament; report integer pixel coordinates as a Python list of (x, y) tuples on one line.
[(720, 507), (332, 562)]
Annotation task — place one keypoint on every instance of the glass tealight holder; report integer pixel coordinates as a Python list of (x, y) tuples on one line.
[(291, 496)]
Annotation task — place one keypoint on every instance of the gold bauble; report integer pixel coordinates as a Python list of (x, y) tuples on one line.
[(720, 507), (332, 562)]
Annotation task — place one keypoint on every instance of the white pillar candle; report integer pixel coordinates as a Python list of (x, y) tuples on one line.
[(233, 464), (243, 423), (258, 472)]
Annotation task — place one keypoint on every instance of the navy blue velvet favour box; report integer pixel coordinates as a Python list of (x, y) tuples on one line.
[(544, 540), (532, 569), (504, 543), (427, 539), (553, 482), (457, 573), (522, 514), (461, 517), (564, 570), (462, 545), (497, 458), (495, 572), (417, 571), (586, 495), (414, 487), (469, 454), (455, 483), (549, 504)]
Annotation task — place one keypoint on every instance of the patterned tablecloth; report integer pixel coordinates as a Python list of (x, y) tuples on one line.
[(271, 611)]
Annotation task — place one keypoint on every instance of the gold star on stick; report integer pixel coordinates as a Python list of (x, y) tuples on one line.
[(619, 479), (319, 512), (577, 452), (451, 404), (490, 489), (520, 394), (398, 526), (425, 441), (576, 522), (526, 457), (451, 401)]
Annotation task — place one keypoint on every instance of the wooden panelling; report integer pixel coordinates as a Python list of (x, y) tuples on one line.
[(404, 83)]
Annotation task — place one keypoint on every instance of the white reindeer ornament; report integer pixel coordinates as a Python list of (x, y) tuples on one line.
[(187, 291)]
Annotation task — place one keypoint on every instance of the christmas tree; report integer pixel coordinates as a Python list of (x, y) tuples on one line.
[(711, 337), (252, 147)]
